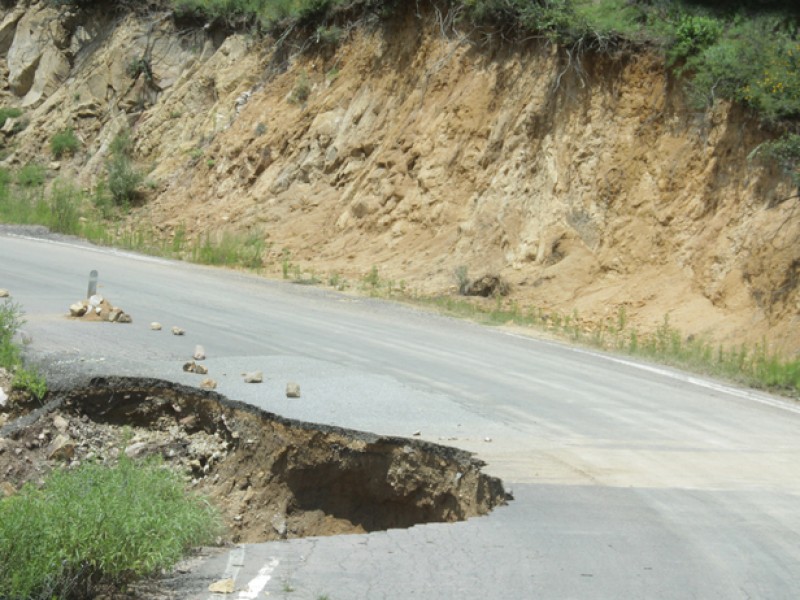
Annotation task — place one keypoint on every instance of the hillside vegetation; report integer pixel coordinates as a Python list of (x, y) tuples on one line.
[(623, 170)]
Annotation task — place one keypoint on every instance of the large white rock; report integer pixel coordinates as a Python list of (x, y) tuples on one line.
[(32, 36)]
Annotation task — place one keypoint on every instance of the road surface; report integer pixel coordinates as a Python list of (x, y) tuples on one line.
[(630, 481)]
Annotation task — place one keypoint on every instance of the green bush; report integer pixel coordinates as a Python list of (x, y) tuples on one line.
[(65, 200), (10, 322), (64, 142), (97, 526), (9, 113), (785, 152), (31, 175), (753, 64), (123, 177), (693, 34)]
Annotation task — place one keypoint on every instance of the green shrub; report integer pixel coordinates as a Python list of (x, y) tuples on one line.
[(8, 113), (95, 526), (693, 34), (30, 381), (31, 175), (64, 142), (65, 200), (123, 177), (785, 152), (10, 322)]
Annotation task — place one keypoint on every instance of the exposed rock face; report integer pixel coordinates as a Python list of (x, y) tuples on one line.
[(591, 190)]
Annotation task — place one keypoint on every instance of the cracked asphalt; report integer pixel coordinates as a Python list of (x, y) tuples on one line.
[(630, 480)]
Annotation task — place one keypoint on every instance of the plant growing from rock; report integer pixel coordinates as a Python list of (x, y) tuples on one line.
[(63, 143), (123, 178)]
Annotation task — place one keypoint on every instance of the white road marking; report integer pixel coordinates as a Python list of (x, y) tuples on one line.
[(97, 249), (235, 564), (703, 383), (260, 581)]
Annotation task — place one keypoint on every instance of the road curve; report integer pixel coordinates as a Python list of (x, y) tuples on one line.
[(630, 481)]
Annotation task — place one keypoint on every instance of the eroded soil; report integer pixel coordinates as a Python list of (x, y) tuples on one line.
[(271, 477)]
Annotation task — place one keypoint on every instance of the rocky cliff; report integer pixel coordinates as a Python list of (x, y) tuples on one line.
[(418, 147)]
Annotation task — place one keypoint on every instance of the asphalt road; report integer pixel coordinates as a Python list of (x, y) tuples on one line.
[(630, 481)]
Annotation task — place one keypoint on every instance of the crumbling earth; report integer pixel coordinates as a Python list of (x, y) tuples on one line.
[(271, 478)]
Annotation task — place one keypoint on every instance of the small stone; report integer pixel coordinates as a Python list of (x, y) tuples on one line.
[(155, 326), (77, 310), (223, 586), (487, 439), (279, 525), (201, 369), (292, 390), (4, 293), (3, 397), (208, 384), (60, 423), (124, 318), (254, 377), (199, 353), (135, 450), (114, 314), (62, 448), (190, 367), (177, 331), (3, 445), (96, 300), (417, 433)]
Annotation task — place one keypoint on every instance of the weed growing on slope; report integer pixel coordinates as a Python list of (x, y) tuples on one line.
[(63, 143)]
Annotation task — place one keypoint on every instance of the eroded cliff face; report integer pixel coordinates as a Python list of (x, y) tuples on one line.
[(587, 184)]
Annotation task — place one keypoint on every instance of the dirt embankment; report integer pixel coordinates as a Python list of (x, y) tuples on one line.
[(586, 183)]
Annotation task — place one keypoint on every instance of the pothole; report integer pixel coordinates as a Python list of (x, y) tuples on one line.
[(271, 477)]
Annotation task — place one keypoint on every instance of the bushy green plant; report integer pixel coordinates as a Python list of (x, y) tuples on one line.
[(30, 381), (10, 322), (65, 200), (693, 34), (97, 525), (8, 113), (124, 178), (64, 142), (31, 175), (784, 151)]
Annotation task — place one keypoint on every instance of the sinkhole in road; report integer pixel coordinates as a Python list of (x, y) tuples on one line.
[(271, 477)]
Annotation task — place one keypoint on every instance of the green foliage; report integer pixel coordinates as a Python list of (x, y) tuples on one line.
[(124, 178), (97, 525), (231, 249), (30, 381), (10, 322), (752, 63), (64, 142), (302, 89), (693, 34), (27, 380), (372, 278), (265, 14), (784, 151), (31, 175), (461, 275), (65, 200), (8, 113)]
